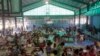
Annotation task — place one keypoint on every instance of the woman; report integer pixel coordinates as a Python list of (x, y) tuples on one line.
[(40, 52), (76, 52), (92, 52), (69, 52), (64, 53)]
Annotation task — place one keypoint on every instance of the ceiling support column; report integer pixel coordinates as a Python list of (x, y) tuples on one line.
[(3, 24), (91, 20), (74, 18), (79, 17), (87, 17), (15, 22), (3, 18), (23, 26)]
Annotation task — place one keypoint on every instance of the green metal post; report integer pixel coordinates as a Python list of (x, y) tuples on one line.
[(3, 18), (79, 17), (87, 17), (23, 23), (15, 22), (74, 18)]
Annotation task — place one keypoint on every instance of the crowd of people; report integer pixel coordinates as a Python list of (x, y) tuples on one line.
[(47, 42)]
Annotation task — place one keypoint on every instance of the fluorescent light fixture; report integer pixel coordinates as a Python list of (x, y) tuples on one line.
[(49, 22), (46, 2)]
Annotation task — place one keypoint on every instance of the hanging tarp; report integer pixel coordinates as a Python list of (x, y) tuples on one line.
[(84, 10), (93, 12), (95, 5), (94, 9)]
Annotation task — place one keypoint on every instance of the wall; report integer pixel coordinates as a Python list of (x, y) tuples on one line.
[(95, 21), (58, 22)]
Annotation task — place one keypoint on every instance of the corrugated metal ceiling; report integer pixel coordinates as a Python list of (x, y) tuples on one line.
[(27, 2), (78, 4)]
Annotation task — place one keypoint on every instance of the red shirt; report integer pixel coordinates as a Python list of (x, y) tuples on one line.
[(92, 54)]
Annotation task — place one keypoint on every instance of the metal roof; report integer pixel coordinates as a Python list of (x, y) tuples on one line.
[(19, 6), (28, 2), (73, 5), (76, 3)]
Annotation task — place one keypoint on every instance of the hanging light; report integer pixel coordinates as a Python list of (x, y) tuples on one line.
[(49, 21), (46, 1)]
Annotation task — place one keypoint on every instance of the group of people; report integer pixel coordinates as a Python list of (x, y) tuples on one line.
[(46, 42)]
